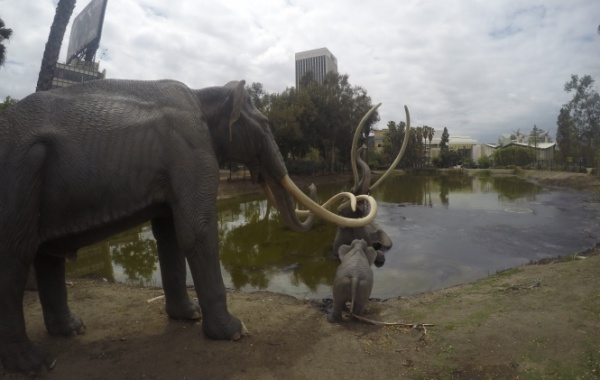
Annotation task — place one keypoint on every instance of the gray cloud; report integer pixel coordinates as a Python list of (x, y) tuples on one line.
[(478, 68)]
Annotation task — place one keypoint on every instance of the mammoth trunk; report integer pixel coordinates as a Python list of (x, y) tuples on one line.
[(287, 208)]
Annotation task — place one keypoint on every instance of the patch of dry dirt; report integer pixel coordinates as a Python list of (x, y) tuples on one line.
[(531, 322)]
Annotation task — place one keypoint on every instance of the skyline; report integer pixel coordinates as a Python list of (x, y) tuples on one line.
[(479, 69)]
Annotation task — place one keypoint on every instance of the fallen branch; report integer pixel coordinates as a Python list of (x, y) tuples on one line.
[(522, 287), (155, 298), (419, 326)]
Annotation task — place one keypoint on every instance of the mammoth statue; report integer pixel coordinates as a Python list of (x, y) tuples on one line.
[(370, 233), (80, 163), (353, 279)]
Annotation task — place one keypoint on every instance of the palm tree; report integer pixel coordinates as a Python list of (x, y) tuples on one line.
[(428, 135), (5, 34), (431, 132), (64, 10)]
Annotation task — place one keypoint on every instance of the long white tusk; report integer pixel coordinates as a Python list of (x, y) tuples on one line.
[(327, 215), (355, 142), (400, 154)]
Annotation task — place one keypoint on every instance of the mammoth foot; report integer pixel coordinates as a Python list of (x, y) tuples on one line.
[(25, 358), (380, 259), (335, 318), (67, 325), (229, 328), (183, 310)]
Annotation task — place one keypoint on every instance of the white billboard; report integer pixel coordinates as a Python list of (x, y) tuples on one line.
[(86, 31)]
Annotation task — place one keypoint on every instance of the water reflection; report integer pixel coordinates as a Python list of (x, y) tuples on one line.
[(447, 229), (255, 247)]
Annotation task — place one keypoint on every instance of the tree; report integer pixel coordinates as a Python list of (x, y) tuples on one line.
[(415, 154), (259, 97), (445, 139), (537, 136), (584, 112), (565, 134), (339, 108), (514, 156), (428, 135), (392, 141), (64, 9), (291, 114), (7, 103), (5, 34)]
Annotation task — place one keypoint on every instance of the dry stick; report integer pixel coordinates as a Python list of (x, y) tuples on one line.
[(155, 298), (402, 324)]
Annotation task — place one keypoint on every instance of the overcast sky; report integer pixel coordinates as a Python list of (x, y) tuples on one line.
[(480, 68)]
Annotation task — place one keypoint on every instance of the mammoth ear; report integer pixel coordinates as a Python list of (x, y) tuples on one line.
[(371, 255), (343, 250), (236, 98)]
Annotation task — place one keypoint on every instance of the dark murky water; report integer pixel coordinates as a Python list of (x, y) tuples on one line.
[(446, 230)]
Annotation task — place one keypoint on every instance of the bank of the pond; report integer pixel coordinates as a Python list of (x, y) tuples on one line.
[(530, 322), (241, 184)]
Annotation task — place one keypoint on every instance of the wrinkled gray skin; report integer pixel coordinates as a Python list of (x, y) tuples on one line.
[(80, 163), (353, 279), (371, 233)]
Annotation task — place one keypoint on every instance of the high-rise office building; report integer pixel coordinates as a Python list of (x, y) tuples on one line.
[(319, 61)]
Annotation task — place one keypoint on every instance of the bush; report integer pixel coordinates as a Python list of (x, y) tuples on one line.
[(447, 158), (484, 162), (513, 156)]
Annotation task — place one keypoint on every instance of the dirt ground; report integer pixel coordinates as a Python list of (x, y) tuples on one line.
[(533, 322)]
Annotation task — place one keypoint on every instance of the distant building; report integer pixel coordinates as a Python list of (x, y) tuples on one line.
[(318, 61), (377, 140), (544, 152), (76, 72), (463, 144)]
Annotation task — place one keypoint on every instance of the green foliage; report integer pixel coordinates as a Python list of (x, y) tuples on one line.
[(469, 163), (484, 162), (565, 134), (5, 34), (291, 114), (320, 116), (448, 158), (258, 96), (8, 101), (513, 156), (416, 149), (537, 135), (578, 132), (339, 108), (445, 139), (376, 160)]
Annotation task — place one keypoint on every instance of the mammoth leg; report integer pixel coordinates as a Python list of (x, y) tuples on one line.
[(52, 290), (19, 201), (205, 267), (173, 271), (339, 299), (17, 353), (195, 220)]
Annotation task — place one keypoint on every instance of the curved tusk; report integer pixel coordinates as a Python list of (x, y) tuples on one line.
[(327, 215), (355, 142), (347, 196), (400, 154)]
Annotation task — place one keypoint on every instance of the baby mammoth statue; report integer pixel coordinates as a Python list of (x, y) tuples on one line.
[(353, 279)]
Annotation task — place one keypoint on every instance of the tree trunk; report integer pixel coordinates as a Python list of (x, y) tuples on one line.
[(64, 10)]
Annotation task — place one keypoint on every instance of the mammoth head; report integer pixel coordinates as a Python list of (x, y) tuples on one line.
[(241, 133), (358, 247)]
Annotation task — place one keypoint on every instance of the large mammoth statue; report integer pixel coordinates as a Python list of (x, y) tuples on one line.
[(370, 233), (80, 163)]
